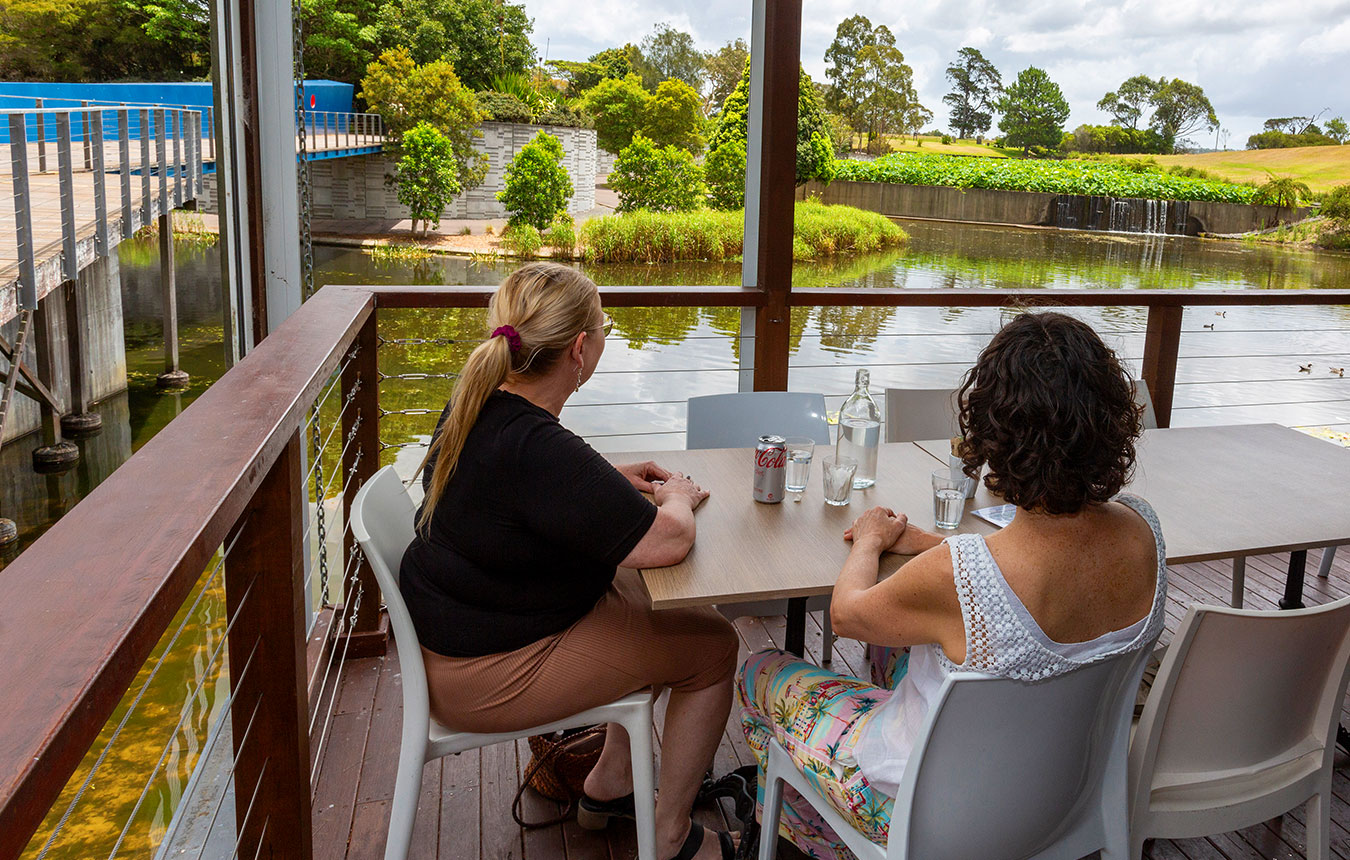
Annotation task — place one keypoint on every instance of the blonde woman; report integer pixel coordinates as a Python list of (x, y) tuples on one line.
[(512, 583)]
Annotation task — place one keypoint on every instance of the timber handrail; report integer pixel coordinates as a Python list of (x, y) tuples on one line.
[(81, 610)]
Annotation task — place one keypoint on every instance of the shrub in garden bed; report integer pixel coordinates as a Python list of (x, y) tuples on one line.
[(522, 240), (665, 237), (537, 185), (1107, 178), (664, 179)]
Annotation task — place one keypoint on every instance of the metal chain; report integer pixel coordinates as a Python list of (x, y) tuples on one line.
[(307, 271)]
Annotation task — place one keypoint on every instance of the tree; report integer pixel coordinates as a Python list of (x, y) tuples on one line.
[(480, 38), (584, 76), (674, 116), (335, 46), (663, 179), (1127, 104), (1337, 130), (537, 186), (101, 40), (1180, 109), (815, 159), (850, 38), (977, 85), (722, 71), (620, 108), (1034, 111), (406, 94), (425, 175), (884, 86), (724, 169), (669, 53)]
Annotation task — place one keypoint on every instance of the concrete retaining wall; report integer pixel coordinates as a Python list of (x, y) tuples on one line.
[(355, 188), (103, 337), (1023, 208)]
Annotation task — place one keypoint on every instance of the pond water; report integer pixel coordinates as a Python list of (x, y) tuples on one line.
[(1238, 365)]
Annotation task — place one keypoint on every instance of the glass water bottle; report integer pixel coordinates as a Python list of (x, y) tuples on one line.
[(860, 431)]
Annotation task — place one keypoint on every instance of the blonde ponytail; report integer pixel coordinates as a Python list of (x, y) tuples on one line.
[(547, 305)]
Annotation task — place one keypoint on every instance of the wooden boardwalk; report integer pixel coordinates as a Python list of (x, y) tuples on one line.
[(465, 808)]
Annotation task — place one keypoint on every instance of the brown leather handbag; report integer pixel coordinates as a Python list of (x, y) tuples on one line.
[(559, 764)]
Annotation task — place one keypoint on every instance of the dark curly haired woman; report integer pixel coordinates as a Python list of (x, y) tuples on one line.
[(1079, 575)]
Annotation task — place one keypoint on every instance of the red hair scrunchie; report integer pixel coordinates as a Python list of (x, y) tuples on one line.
[(511, 335)]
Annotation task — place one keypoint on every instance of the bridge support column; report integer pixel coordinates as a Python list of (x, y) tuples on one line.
[(173, 376), (80, 420), (56, 454)]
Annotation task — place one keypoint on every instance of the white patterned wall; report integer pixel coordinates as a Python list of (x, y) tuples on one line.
[(356, 188)]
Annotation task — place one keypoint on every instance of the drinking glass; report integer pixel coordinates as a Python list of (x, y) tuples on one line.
[(799, 451), (949, 499), (836, 474)]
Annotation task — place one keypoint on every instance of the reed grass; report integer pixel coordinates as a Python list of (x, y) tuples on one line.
[(819, 231)]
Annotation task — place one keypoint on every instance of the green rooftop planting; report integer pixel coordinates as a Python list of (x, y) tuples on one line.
[(1054, 177)]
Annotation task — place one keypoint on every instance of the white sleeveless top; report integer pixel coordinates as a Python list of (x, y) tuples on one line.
[(1002, 639)]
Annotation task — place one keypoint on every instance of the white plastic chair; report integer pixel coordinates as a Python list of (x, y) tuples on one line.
[(737, 421), (917, 414), (382, 521), (1001, 769), (1240, 725)]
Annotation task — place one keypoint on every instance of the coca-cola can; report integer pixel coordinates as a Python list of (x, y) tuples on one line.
[(770, 469)]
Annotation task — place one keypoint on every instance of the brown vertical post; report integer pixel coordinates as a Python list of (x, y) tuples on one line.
[(265, 602), (1162, 340), (777, 190), (359, 463), (173, 376)]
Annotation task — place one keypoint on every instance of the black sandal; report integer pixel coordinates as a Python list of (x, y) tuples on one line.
[(694, 841), (595, 814)]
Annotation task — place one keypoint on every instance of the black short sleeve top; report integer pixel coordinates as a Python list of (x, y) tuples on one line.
[(525, 538)]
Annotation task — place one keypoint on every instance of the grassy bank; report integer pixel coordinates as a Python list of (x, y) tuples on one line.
[(1056, 177), (1332, 234), (1321, 167), (819, 231)]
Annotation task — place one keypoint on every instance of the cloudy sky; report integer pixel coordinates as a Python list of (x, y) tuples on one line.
[(1254, 58)]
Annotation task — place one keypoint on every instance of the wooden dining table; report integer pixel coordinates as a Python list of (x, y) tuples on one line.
[(1220, 492)]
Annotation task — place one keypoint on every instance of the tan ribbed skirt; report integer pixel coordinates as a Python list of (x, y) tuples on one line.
[(620, 646)]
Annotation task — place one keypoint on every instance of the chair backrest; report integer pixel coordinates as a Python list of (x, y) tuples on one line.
[(916, 414), (382, 522), (738, 420), (1006, 768), (1241, 690), (1141, 396)]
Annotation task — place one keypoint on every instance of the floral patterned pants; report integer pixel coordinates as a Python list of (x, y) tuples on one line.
[(818, 715)]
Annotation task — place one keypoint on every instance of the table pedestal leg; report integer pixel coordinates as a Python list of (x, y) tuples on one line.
[(794, 641), (1293, 584)]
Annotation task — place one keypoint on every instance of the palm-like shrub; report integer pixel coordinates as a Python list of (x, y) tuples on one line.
[(1282, 191)]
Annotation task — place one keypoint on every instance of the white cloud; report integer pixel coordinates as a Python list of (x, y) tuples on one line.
[(1254, 58)]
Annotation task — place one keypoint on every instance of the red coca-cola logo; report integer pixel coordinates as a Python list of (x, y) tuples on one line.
[(771, 458)]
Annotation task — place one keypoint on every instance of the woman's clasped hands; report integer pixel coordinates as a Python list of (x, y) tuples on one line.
[(881, 529), (648, 477)]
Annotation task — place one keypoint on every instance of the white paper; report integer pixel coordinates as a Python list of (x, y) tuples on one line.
[(999, 515)]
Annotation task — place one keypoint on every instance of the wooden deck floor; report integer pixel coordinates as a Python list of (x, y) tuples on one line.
[(465, 809)]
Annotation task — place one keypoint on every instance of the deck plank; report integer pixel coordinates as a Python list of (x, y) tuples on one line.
[(464, 807)]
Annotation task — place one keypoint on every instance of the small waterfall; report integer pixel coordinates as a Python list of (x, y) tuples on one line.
[(1120, 215)]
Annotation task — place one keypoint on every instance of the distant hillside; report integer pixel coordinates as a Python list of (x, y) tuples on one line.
[(1322, 167)]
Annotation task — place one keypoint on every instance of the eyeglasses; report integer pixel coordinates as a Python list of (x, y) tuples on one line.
[(607, 325)]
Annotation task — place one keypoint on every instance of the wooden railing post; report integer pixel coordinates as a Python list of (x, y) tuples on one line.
[(361, 422), (777, 185), (1162, 340), (265, 602)]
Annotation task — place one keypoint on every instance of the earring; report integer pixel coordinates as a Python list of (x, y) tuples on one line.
[(578, 388)]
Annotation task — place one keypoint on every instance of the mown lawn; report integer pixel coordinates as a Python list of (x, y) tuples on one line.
[(935, 146), (1322, 167)]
